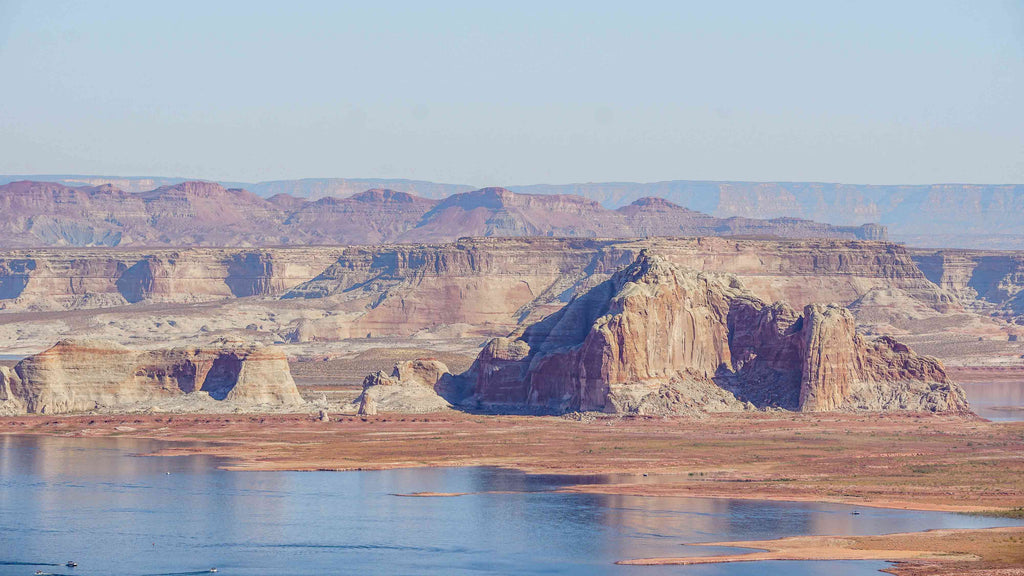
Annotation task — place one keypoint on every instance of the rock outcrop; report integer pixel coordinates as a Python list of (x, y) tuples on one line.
[(84, 375), (659, 338), (413, 386), (10, 404), (527, 272)]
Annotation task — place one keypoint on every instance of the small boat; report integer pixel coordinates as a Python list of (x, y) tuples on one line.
[(71, 564), (213, 569), (40, 572), (855, 513)]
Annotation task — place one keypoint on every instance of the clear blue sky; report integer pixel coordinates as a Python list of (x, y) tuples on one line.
[(516, 92)]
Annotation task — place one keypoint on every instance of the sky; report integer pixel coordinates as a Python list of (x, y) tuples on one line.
[(504, 93)]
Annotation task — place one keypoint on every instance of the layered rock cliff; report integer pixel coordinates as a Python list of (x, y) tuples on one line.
[(472, 288), (985, 280), (84, 375), (659, 338), (77, 278), (498, 283)]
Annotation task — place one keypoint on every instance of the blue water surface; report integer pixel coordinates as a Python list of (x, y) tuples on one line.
[(115, 513)]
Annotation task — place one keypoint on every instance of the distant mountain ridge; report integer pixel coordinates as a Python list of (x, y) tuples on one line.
[(196, 213), (939, 215)]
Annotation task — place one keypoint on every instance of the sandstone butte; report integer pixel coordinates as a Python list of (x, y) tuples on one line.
[(658, 338), (86, 375)]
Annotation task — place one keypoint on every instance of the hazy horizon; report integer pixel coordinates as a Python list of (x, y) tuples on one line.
[(858, 93), (493, 185)]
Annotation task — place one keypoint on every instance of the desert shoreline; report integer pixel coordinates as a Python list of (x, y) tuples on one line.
[(988, 551), (711, 457)]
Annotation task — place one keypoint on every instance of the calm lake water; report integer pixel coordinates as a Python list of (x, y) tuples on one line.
[(996, 400), (118, 514)]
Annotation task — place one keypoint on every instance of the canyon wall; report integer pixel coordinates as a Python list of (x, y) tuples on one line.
[(56, 279), (988, 281), (498, 283), (469, 288)]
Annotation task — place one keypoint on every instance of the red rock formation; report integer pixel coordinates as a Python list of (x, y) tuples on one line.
[(77, 278), (830, 357), (938, 215), (371, 217), (659, 338)]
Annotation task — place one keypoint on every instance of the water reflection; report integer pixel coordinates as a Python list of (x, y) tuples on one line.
[(996, 400), (117, 514)]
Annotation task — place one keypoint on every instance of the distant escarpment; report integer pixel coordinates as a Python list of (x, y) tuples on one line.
[(87, 375), (934, 215), (657, 338), (988, 281), (79, 278), (47, 214)]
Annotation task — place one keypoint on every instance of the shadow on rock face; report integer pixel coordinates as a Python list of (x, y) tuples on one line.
[(136, 282), (222, 377), (250, 274), (14, 275)]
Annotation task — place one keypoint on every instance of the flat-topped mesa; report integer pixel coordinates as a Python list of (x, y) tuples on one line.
[(658, 338), (83, 375), (384, 195)]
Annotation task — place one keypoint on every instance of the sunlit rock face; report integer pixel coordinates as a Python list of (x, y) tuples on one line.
[(658, 338), (83, 375), (413, 386)]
